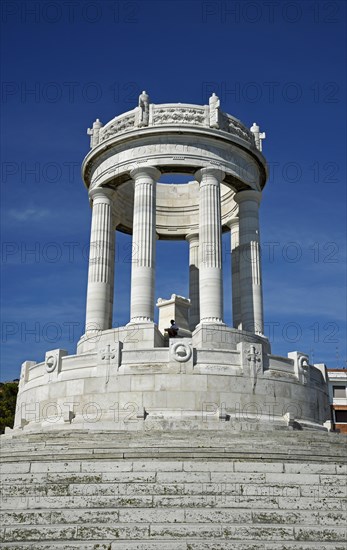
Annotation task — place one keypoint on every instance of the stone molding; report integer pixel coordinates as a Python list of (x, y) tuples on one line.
[(172, 114)]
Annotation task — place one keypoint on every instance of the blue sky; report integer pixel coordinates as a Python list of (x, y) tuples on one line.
[(280, 64)]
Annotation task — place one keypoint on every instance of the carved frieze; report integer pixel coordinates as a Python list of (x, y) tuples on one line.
[(119, 125), (179, 115), (176, 114), (238, 129)]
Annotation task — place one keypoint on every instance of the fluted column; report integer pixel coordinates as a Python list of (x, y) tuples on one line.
[(144, 244), (101, 262), (235, 273), (194, 311), (210, 248), (250, 264)]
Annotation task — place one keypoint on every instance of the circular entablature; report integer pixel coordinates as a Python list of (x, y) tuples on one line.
[(177, 213), (175, 150)]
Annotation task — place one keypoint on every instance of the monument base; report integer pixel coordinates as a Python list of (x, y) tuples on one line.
[(127, 375)]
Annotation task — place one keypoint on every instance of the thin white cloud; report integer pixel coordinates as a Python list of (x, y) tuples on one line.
[(29, 214)]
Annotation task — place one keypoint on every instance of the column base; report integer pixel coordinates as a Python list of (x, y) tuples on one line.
[(136, 320), (211, 320)]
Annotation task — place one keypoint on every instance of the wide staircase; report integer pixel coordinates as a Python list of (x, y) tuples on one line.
[(171, 490)]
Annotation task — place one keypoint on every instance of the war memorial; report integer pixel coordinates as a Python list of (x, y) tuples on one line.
[(203, 441)]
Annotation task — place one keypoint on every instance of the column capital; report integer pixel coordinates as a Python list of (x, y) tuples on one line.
[(210, 172), (234, 222), (145, 172), (248, 195), (191, 237), (100, 192)]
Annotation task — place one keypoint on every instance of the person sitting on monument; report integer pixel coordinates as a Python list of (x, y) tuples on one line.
[(173, 330)]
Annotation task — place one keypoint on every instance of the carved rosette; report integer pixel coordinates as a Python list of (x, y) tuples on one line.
[(53, 360), (181, 352), (303, 364), (51, 363)]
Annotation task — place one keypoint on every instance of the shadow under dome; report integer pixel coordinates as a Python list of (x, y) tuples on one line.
[(177, 212)]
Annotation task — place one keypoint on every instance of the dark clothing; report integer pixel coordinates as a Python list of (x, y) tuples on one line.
[(172, 331)]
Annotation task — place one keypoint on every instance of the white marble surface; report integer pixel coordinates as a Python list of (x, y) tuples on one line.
[(194, 286), (250, 277), (136, 364), (143, 244), (235, 273), (210, 246), (101, 263)]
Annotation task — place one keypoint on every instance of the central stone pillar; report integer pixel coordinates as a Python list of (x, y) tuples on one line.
[(144, 244), (177, 308), (194, 312), (250, 266), (210, 248), (101, 262)]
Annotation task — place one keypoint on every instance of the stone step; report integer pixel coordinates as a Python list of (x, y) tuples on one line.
[(174, 531), (271, 455), (191, 493), (177, 545), (117, 441)]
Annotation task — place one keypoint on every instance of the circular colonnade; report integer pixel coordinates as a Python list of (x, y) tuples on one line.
[(128, 157)]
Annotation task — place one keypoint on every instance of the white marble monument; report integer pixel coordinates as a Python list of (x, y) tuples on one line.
[(206, 440), (209, 365)]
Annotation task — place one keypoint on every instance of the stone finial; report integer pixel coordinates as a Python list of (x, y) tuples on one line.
[(258, 136), (94, 133), (143, 108), (214, 103)]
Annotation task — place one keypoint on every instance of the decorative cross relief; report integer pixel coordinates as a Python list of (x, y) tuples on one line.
[(255, 359), (109, 356)]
